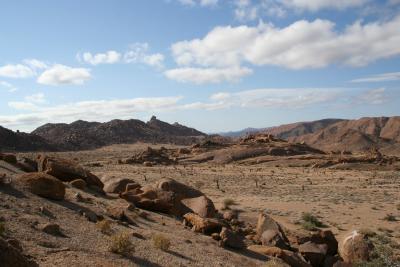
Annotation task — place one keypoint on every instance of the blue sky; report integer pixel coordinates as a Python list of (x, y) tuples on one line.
[(211, 64)]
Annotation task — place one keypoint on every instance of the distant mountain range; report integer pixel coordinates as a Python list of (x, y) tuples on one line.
[(338, 134), (81, 135), (328, 134)]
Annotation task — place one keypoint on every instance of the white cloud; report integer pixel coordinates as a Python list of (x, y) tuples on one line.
[(35, 64), (246, 10), (36, 98), (87, 110), (207, 75), (391, 76), (139, 53), (16, 71), (374, 97), (109, 57), (63, 75), (10, 88), (303, 44)]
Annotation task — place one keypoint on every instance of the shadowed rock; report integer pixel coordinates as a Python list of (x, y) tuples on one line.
[(42, 184)]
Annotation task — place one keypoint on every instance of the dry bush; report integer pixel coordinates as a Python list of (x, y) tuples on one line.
[(161, 242), (390, 218), (228, 202), (310, 222), (104, 226), (121, 244)]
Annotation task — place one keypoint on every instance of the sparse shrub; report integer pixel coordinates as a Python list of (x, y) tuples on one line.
[(310, 222), (367, 232), (161, 242), (2, 228), (121, 243), (228, 202), (382, 255), (390, 218), (104, 226)]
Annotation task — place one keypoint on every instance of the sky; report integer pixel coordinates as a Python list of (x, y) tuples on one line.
[(216, 65)]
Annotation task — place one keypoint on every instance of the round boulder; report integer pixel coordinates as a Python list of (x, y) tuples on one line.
[(355, 248), (117, 185), (42, 184)]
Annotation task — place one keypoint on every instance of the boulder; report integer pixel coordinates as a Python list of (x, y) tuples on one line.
[(314, 253), (264, 223), (181, 191), (274, 238), (67, 170), (52, 229), (229, 215), (117, 185), (202, 206), (289, 257), (231, 239), (12, 256), (150, 199), (355, 247), (322, 237), (27, 165), (203, 225), (9, 158), (42, 184), (78, 183)]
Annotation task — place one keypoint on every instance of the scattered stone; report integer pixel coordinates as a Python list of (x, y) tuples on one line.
[(118, 185), (52, 229), (274, 238), (11, 256), (322, 237), (264, 223), (230, 215), (42, 184), (78, 183), (46, 212), (314, 253), (202, 206), (90, 215), (355, 247), (67, 170), (203, 225), (290, 257), (216, 236), (231, 239)]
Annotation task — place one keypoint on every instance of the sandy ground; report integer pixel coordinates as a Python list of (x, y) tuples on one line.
[(344, 200)]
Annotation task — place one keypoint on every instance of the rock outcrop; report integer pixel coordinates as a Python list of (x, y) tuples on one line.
[(42, 184)]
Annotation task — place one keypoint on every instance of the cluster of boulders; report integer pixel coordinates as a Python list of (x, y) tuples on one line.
[(258, 138), (150, 157), (318, 249), (46, 176)]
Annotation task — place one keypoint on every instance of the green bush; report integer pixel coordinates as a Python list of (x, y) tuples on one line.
[(310, 222)]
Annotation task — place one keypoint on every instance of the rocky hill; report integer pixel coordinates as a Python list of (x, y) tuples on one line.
[(338, 134), (87, 135), (357, 135), (17, 141)]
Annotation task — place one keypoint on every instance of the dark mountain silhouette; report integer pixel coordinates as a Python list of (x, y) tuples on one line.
[(88, 135), (17, 141)]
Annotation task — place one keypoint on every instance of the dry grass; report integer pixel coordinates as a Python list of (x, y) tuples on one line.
[(121, 244), (310, 222), (104, 227), (161, 242), (390, 218)]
